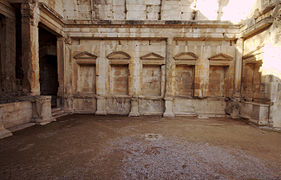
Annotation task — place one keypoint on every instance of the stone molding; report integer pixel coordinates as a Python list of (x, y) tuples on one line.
[(85, 58)]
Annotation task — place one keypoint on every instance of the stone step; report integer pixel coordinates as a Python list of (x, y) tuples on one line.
[(58, 112), (20, 127), (54, 110)]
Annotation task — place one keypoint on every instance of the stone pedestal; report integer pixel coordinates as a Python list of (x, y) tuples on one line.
[(3, 132), (101, 106), (235, 113), (41, 110), (134, 108), (68, 104), (169, 107), (262, 110)]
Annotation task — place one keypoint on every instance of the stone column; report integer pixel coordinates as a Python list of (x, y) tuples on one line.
[(30, 48), (238, 67), (3, 132), (170, 75), (60, 62)]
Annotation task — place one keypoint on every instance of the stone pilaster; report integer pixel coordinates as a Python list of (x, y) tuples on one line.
[(67, 80), (101, 80), (30, 48), (238, 67), (101, 105), (134, 107), (169, 107), (60, 62), (3, 132), (134, 82), (201, 81), (170, 75)]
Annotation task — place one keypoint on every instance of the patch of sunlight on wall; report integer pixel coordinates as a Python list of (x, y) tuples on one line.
[(237, 10), (208, 8), (271, 60), (233, 10)]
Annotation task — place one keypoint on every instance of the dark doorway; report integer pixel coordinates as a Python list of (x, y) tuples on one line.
[(48, 65), (1, 45)]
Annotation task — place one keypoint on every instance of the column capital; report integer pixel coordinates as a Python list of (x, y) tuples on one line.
[(29, 12)]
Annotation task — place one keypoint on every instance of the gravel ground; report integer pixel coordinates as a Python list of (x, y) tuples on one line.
[(174, 158), (115, 147)]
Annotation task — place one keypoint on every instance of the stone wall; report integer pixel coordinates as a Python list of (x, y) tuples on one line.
[(261, 64), (17, 113), (144, 57), (8, 85), (179, 10)]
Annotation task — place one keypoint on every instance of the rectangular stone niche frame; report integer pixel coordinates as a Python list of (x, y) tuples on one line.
[(254, 59), (221, 60), (153, 59), (186, 59), (118, 58), (84, 59)]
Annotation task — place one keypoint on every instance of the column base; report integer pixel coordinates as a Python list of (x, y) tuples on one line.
[(101, 106), (168, 114), (134, 107), (169, 107), (134, 114), (44, 122), (100, 113)]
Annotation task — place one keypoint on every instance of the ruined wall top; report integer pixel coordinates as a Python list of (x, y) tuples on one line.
[(179, 10)]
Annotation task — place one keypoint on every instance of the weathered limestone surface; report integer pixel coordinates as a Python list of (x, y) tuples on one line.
[(30, 55), (7, 46), (144, 57), (15, 114), (3, 131)]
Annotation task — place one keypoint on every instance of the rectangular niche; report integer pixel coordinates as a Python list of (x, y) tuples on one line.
[(86, 81), (151, 80), (119, 79), (217, 80), (184, 80), (252, 80)]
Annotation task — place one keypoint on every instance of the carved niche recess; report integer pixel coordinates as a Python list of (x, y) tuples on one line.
[(251, 84), (153, 74), (185, 73), (86, 72), (218, 74), (119, 73)]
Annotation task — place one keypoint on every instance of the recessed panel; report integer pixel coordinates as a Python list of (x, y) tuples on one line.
[(151, 80), (86, 79), (119, 79), (184, 80), (217, 81)]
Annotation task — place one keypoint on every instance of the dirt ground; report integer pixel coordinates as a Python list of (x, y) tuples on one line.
[(149, 147)]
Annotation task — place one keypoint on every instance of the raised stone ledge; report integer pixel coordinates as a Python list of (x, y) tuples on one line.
[(210, 23)]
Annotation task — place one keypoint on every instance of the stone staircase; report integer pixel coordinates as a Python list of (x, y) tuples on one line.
[(58, 112)]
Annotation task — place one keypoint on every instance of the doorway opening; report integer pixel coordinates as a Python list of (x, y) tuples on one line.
[(48, 65)]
